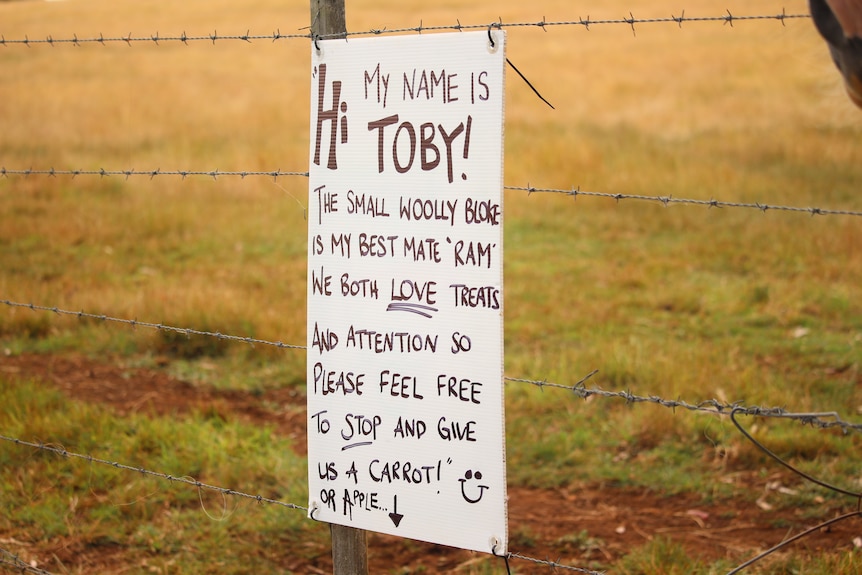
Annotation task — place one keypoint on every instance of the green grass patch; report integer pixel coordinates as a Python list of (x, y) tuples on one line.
[(48, 496)]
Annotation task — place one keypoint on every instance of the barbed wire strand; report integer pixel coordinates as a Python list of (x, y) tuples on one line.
[(214, 174), (167, 477), (158, 326), (822, 420), (552, 565), (155, 39), (726, 19), (18, 564), (573, 192), (668, 200)]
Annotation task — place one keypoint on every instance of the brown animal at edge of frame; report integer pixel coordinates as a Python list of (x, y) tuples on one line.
[(840, 24)]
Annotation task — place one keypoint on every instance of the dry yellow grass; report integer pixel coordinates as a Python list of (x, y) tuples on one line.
[(754, 88), (245, 105), (664, 80)]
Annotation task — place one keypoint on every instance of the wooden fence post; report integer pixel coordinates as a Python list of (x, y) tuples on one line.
[(327, 18), (349, 545), (349, 551)]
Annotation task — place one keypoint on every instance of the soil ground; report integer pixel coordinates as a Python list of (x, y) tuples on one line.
[(580, 525)]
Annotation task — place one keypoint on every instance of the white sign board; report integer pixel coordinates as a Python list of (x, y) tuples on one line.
[(405, 287)]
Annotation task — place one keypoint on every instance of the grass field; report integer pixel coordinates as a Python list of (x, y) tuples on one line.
[(678, 302)]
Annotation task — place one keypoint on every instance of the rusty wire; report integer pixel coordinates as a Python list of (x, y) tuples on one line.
[(822, 420)]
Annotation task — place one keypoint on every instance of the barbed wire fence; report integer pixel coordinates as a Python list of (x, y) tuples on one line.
[(156, 39), (820, 420)]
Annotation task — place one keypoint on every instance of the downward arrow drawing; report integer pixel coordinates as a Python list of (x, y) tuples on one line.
[(395, 516)]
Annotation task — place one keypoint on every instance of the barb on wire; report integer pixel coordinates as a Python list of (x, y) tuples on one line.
[(103, 173), (631, 21), (18, 564), (806, 476), (822, 420), (667, 200), (173, 479), (158, 326)]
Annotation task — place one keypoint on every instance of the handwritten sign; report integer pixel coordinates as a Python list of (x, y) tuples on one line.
[(405, 288)]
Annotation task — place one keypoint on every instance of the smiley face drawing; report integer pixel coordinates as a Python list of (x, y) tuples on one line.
[(469, 476)]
